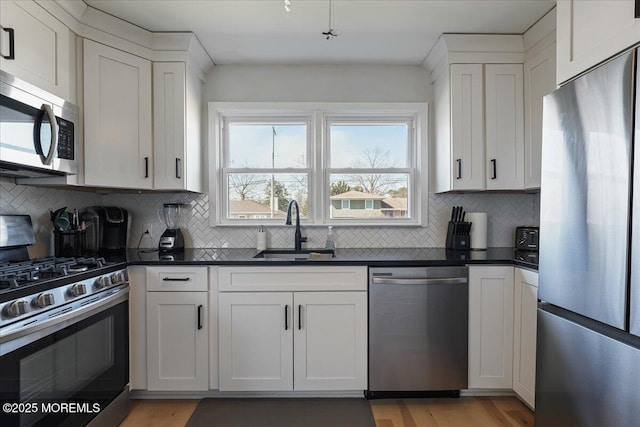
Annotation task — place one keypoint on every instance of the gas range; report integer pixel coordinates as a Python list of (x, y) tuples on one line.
[(28, 288)]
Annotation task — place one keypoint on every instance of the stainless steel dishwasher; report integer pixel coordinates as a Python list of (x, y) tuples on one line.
[(418, 331)]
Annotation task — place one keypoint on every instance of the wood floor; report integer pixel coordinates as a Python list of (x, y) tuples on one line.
[(462, 412)]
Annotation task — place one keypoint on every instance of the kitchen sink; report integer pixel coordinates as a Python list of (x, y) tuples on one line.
[(293, 255)]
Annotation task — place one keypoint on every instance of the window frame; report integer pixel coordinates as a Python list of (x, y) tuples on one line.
[(318, 146), (411, 166), (225, 170)]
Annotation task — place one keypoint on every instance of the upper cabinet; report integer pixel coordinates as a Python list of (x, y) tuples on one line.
[(539, 80), (589, 32), (35, 47), (117, 111), (177, 112), (139, 93), (487, 107), (504, 127), (478, 108)]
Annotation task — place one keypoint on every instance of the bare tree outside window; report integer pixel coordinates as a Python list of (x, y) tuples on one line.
[(245, 186), (374, 183)]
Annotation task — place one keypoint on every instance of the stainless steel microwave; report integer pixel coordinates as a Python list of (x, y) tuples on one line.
[(37, 131)]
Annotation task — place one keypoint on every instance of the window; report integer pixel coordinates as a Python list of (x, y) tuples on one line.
[(356, 166), (266, 163), (370, 162)]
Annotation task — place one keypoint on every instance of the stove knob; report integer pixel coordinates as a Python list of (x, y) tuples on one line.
[(103, 282), (17, 308), (118, 278), (44, 300), (77, 290)]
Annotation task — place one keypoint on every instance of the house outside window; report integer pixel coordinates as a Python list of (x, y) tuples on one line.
[(356, 166)]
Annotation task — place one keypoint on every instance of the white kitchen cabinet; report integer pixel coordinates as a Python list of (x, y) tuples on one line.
[(330, 341), (504, 126), (292, 328), (255, 341), (467, 129), (177, 342), (491, 292), (41, 47), (177, 330), (177, 111), (539, 79), (589, 32), (524, 334), (293, 341), (479, 128), (117, 109)]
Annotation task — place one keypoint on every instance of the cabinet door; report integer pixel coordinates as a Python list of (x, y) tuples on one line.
[(330, 341), (491, 327), (467, 127), (117, 102), (177, 344), (524, 335), (591, 31), (539, 80), (41, 46), (256, 341), (169, 82), (504, 115)]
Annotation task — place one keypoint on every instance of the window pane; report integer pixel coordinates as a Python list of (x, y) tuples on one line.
[(264, 145), (250, 195), (369, 196), (369, 145)]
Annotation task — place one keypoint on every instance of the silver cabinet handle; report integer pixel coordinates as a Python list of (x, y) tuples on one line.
[(447, 281)]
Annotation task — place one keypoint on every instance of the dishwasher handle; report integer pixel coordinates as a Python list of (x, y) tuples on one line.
[(418, 281)]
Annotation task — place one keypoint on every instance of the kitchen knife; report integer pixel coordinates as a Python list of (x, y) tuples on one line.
[(453, 214)]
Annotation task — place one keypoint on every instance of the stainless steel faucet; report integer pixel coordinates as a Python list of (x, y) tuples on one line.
[(299, 237)]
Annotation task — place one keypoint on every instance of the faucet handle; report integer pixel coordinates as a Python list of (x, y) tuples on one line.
[(303, 239)]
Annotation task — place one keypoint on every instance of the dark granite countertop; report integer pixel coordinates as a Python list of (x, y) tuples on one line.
[(375, 257)]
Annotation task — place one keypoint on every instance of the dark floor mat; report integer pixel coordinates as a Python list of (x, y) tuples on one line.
[(289, 412)]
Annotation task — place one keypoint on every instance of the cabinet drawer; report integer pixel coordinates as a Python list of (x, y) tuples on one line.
[(312, 278), (177, 279)]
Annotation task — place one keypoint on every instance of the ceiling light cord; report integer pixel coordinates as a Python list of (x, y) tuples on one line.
[(330, 33)]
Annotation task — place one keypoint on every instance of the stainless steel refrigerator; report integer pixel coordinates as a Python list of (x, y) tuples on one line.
[(588, 354)]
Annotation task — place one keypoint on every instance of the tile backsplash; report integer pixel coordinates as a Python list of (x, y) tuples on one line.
[(505, 212)]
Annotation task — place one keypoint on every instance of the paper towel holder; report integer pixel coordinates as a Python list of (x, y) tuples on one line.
[(478, 230)]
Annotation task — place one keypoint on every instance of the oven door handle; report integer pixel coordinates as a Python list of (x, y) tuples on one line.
[(17, 338)]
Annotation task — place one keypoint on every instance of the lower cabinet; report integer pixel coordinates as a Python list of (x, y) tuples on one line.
[(524, 334), (293, 341), (177, 329), (491, 327)]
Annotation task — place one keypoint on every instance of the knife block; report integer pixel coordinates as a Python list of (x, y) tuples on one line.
[(455, 240)]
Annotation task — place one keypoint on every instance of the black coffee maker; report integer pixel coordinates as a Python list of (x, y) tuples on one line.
[(107, 228)]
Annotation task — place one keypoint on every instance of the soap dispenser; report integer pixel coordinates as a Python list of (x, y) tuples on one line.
[(331, 243)]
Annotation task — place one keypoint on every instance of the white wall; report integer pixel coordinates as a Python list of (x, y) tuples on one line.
[(317, 83)]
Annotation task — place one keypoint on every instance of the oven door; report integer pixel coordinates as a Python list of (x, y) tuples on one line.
[(67, 373)]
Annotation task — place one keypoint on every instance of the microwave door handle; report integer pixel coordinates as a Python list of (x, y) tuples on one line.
[(53, 148)]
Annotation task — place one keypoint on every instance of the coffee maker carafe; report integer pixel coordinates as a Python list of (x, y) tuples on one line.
[(172, 216)]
